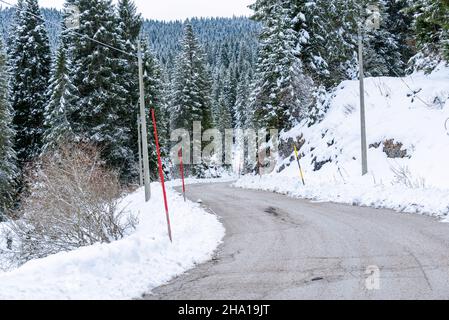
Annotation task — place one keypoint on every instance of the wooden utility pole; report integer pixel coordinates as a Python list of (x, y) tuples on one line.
[(143, 126)]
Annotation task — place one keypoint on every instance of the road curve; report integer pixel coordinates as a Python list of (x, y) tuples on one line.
[(278, 247)]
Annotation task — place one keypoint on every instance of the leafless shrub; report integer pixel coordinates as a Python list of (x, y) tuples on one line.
[(73, 202), (403, 176)]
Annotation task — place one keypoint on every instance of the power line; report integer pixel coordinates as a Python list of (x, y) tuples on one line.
[(76, 33)]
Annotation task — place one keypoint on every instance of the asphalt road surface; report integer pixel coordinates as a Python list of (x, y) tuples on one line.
[(278, 247)]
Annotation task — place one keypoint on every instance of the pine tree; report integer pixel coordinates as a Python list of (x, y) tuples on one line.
[(280, 95), (30, 70), (381, 47), (129, 28), (8, 169), (432, 32), (224, 115), (191, 100), (332, 29), (400, 26), (57, 126), (100, 113), (241, 108), (191, 88)]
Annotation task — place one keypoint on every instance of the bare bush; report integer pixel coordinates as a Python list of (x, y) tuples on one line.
[(73, 202), (403, 176)]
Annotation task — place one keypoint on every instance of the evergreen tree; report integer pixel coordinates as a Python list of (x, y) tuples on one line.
[(191, 99), (57, 126), (241, 109), (432, 32), (400, 26), (281, 89), (381, 46), (100, 112), (332, 30), (129, 28), (8, 170), (191, 88), (30, 70)]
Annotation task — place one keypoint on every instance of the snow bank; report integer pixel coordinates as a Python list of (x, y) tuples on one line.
[(127, 268), (414, 117)]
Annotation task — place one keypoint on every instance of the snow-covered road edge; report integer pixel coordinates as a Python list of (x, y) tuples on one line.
[(364, 192), (128, 268)]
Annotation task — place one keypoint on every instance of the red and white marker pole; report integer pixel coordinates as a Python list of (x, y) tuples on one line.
[(181, 168), (161, 174)]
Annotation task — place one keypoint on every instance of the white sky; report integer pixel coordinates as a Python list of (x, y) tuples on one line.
[(178, 9)]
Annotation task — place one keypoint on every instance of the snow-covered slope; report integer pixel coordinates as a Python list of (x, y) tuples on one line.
[(412, 111), (128, 268)]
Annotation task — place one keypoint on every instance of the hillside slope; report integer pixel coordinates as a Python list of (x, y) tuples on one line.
[(407, 120)]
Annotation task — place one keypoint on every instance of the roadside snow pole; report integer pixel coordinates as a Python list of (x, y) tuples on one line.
[(299, 165), (161, 174), (143, 126), (181, 169)]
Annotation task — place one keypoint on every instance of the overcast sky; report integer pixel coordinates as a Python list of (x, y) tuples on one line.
[(178, 9)]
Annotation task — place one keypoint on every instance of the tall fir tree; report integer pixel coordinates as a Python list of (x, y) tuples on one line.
[(57, 126), (281, 90), (129, 28), (382, 48), (30, 70), (99, 114), (241, 108), (432, 32), (332, 29), (400, 25), (8, 169), (191, 98)]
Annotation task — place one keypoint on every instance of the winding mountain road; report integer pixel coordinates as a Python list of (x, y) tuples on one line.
[(278, 247)]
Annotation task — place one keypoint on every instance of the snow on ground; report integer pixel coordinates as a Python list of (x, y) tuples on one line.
[(416, 118), (127, 268)]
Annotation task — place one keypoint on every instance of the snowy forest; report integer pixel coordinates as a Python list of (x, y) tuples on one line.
[(71, 95)]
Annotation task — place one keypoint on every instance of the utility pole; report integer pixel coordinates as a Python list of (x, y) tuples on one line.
[(139, 132), (143, 127), (362, 105)]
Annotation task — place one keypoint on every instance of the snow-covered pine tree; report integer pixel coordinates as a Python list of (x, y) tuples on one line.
[(99, 112), (228, 97), (241, 109), (8, 169), (332, 31), (57, 126), (224, 114), (191, 96), (191, 86), (381, 47), (281, 90), (432, 32), (129, 28), (400, 25), (30, 71)]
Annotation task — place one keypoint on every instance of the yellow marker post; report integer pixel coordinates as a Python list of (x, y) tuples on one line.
[(299, 165)]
